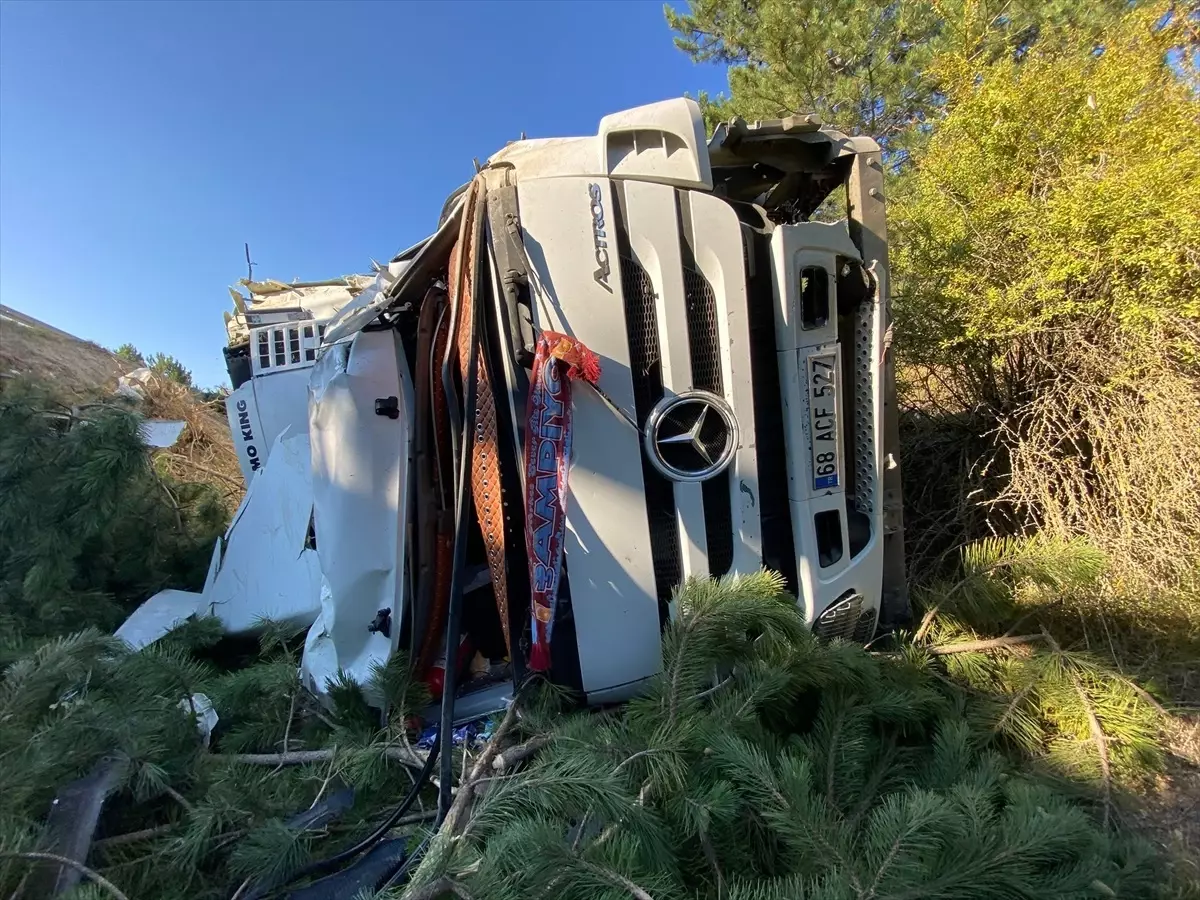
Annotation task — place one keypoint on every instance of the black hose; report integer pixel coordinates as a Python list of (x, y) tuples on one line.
[(398, 877), (321, 866)]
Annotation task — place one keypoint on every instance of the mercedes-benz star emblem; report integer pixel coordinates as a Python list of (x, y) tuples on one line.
[(691, 436)]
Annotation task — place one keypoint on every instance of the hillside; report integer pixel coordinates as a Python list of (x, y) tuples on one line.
[(32, 348)]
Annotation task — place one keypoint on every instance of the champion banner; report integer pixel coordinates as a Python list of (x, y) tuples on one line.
[(559, 360)]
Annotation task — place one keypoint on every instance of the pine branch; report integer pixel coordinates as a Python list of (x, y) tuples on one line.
[(989, 644), (1145, 695), (409, 756), (133, 837), (1012, 707), (616, 879), (1097, 730), (513, 755), (931, 613), (174, 503), (710, 854), (437, 888), (458, 808), (724, 682), (91, 874), (179, 798), (831, 758)]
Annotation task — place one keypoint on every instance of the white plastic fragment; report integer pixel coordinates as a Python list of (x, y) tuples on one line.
[(202, 709)]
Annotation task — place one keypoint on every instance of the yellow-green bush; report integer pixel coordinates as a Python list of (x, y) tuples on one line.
[(1060, 192), (1047, 252)]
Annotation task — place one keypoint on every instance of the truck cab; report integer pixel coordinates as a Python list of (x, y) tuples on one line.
[(734, 290)]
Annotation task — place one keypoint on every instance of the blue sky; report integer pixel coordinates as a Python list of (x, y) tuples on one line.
[(142, 143)]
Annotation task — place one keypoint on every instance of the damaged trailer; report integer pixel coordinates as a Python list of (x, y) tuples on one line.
[(619, 362)]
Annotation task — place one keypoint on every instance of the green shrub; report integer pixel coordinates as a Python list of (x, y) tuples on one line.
[(88, 528), (762, 764)]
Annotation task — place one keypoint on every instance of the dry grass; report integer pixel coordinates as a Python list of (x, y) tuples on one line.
[(1119, 463), (1083, 439), (1091, 442), (204, 452), (1169, 811)]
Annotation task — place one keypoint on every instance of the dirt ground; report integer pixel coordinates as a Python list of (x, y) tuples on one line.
[(1168, 813), (32, 348)]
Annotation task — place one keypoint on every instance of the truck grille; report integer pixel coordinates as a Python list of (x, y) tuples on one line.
[(778, 544), (718, 524), (846, 619), (864, 407), (703, 332), (645, 363), (704, 348)]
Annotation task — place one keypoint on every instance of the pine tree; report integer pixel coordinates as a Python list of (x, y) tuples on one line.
[(131, 354), (169, 368), (762, 764), (865, 67), (88, 527)]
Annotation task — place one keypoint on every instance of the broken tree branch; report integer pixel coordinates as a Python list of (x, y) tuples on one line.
[(989, 644), (513, 755), (407, 755), (466, 788)]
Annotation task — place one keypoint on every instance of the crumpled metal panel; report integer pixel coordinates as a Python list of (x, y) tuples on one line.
[(360, 482)]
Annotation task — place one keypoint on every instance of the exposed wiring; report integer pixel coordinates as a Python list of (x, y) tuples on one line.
[(460, 423)]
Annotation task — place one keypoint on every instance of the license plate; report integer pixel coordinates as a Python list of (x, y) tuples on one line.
[(823, 419)]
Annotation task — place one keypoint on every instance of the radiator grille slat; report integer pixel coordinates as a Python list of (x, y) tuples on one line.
[(703, 333), (645, 364), (864, 409), (778, 541), (846, 619), (704, 350)]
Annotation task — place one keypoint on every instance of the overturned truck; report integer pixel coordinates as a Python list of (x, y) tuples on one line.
[(619, 362)]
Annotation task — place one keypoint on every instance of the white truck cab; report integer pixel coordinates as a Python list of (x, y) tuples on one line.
[(743, 417)]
